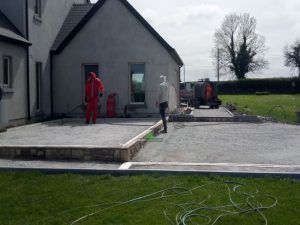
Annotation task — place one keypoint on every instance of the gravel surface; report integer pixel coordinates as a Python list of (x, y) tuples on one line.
[(74, 132), (265, 143)]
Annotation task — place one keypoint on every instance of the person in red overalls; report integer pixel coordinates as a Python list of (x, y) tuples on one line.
[(208, 92), (93, 89)]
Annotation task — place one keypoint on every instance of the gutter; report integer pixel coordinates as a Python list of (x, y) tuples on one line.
[(51, 83), (27, 62), (178, 85)]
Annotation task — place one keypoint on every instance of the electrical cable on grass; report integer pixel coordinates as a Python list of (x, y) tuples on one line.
[(192, 212), (197, 209)]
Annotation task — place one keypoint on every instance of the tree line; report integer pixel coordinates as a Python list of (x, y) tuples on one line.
[(240, 50)]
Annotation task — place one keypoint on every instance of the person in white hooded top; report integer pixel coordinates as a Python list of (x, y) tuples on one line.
[(162, 102)]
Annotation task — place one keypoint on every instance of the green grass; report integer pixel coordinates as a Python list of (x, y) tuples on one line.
[(279, 107), (36, 199)]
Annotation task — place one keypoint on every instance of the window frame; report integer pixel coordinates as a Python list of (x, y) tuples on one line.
[(7, 75), (130, 84), (38, 9)]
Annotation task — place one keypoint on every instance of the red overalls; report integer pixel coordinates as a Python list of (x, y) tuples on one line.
[(93, 87), (208, 92)]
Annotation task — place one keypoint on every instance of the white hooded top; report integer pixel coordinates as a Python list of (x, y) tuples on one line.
[(163, 90)]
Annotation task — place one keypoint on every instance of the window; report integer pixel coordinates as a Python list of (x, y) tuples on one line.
[(137, 83), (7, 71), (38, 73), (38, 8)]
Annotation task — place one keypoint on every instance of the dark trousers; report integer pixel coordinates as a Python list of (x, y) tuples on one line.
[(162, 109)]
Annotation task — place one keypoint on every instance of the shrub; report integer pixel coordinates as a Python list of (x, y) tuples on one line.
[(253, 86)]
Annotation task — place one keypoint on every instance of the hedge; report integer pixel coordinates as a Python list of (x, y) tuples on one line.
[(252, 86)]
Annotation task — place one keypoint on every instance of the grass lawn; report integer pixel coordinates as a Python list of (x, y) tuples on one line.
[(280, 107), (36, 199)]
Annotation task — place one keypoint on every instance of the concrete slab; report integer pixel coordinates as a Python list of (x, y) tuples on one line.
[(74, 132), (242, 143), (207, 112), (71, 139), (221, 148)]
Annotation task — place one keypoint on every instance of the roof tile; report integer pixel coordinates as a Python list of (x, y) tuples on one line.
[(76, 14)]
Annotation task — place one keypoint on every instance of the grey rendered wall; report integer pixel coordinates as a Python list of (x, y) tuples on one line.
[(113, 38), (15, 11), (42, 33), (174, 80), (15, 97)]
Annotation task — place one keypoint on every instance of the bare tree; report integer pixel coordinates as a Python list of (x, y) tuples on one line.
[(292, 55), (240, 49)]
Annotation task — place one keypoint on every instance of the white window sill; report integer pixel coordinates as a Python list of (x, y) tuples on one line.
[(135, 105), (8, 90), (37, 18)]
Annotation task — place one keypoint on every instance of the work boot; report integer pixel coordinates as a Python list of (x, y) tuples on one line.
[(87, 122)]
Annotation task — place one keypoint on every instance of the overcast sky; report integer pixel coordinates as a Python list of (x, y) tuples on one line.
[(189, 26)]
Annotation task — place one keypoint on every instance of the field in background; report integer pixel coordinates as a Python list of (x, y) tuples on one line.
[(280, 107), (36, 199)]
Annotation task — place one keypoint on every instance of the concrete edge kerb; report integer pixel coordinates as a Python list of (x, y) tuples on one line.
[(130, 164), (143, 135), (235, 119), (134, 145), (60, 147), (155, 172), (228, 111)]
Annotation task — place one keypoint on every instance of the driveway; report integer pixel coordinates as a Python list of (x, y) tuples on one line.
[(241, 143), (228, 147)]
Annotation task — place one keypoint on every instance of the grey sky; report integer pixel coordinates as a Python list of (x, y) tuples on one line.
[(189, 26)]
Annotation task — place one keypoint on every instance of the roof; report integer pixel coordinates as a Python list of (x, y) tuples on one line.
[(76, 14), (80, 14), (9, 33)]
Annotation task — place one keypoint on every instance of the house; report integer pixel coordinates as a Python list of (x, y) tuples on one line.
[(13, 64), (113, 39), (28, 29), (63, 40)]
